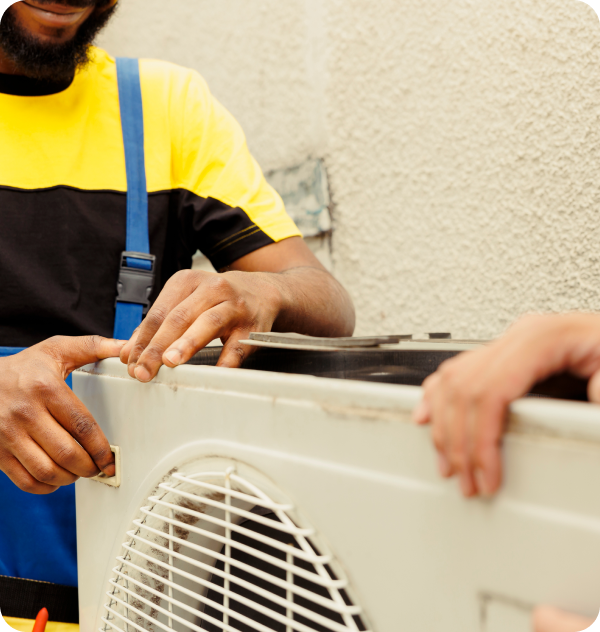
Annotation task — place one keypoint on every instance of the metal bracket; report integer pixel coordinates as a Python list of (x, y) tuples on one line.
[(113, 481)]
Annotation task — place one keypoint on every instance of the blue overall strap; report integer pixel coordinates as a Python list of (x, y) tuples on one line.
[(37, 533), (136, 273)]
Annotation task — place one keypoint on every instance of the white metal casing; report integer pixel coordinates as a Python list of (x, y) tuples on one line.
[(418, 556)]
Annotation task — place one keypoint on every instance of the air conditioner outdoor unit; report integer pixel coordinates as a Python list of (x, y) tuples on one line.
[(267, 502)]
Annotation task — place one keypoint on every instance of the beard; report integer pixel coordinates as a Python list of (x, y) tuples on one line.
[(52, 62)]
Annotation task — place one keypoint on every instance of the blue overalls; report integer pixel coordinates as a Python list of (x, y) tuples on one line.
[(38, 533)]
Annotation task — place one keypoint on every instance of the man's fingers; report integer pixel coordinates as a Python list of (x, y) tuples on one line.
[(73, 353), (128, 346), (439, 436), (422, 413), (40, 466), (488, 427), (213, 324), (467, 483), (206, 327), (451, 408), (179, 288), (443, 465), (60, 446), (74, 417), (188, 328), (468, 417), (502, 374), (476, 435), (22, 478), (442, 400), (234, 352), (457, 441), (488, 475)]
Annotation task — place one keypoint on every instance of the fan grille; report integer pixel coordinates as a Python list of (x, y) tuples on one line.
[(211, 551)]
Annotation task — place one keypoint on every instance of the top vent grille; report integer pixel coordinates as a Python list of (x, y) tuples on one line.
[(213, 552)]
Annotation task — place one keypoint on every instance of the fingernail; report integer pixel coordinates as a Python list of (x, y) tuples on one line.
[(173, 356), (443, 465), (142, 374), (482, 484), (131, 369)]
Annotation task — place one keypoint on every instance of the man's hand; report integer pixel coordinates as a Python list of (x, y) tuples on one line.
[(551, 620), (195, 308), (47, 437), (467, 400), (281, 287)]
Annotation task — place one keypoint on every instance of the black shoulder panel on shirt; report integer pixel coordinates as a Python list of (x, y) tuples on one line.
[(60, 251), (223, 234)]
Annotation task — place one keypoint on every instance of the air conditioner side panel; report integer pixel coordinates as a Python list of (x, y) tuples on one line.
[(416, 552)]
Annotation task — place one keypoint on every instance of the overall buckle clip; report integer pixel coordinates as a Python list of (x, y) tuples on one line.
[(136, 279)]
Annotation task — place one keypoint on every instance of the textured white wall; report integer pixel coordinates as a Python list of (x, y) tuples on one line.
[(259, 57), (462, 140)]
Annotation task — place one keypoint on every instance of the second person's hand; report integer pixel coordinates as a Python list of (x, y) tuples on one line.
[(466, 401)]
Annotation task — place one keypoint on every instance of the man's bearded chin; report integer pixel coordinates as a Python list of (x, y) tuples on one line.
[(47, 61)]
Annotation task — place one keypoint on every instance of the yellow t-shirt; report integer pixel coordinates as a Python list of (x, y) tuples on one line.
[(63, 194), (25, 625)]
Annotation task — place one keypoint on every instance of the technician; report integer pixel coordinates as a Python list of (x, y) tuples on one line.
[(95, 230)]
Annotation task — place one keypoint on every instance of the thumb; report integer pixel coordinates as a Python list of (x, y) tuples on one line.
[(73, 353)]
